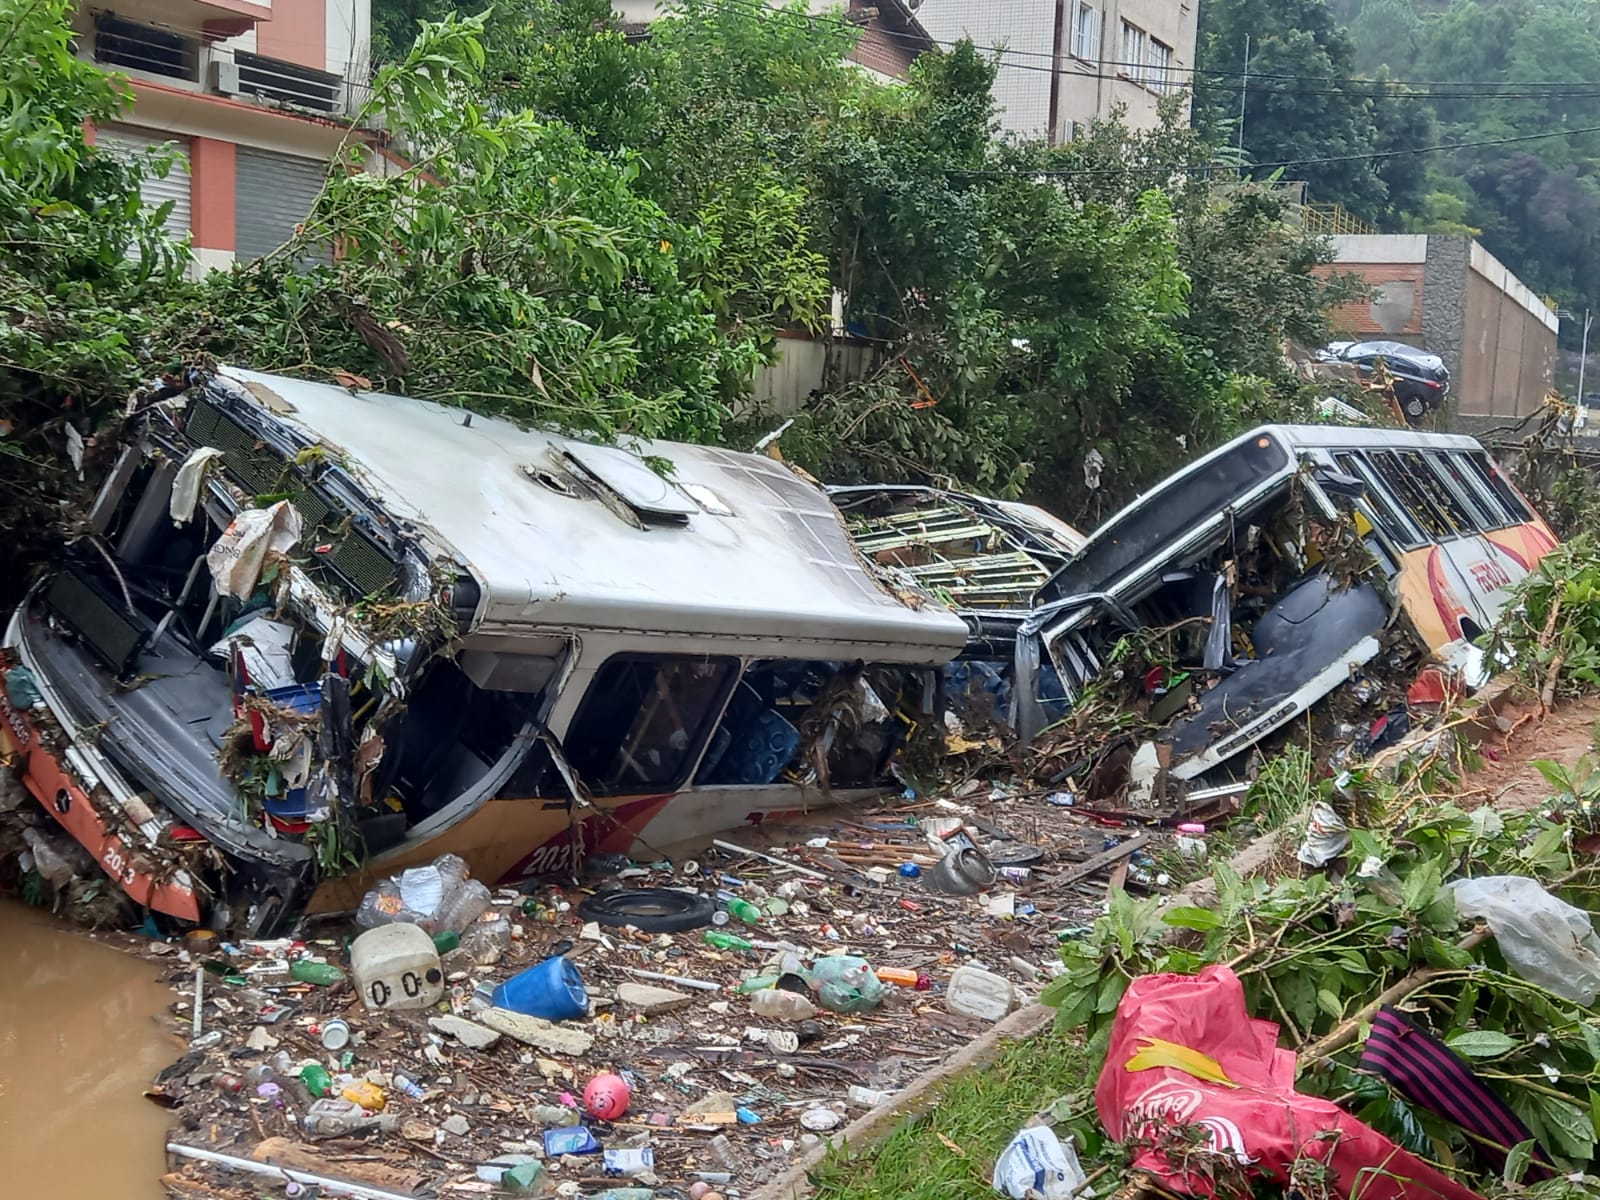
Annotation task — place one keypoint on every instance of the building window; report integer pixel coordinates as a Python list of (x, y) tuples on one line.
[(136, 47), (1158, 76), (1132, 64), (1086, 33)]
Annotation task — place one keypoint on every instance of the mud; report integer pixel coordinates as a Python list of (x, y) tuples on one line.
[(78, 1045)]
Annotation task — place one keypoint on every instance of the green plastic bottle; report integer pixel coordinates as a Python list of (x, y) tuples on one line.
[(726, 941), (759, 984), (446, 941), (317, 1080), (743, 910), (320, 973)]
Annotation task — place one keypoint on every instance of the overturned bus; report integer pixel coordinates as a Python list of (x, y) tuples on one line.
[(1273, 570), (320, 635)]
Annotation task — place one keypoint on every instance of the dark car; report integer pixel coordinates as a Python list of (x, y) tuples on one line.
[(1421, 380)]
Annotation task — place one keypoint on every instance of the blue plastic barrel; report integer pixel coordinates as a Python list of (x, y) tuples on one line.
[(552, 990)]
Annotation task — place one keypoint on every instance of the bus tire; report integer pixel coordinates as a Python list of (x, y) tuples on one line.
[(650, 910)]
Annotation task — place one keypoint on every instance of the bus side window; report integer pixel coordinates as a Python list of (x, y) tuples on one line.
[(1377, 502), (1459, 467), (1428, 469), (1422, 509), (1496, 481), (644, 720)]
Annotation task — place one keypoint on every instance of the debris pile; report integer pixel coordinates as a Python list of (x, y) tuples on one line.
[(666, 1024)]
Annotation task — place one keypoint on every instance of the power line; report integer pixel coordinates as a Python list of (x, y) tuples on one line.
[(1295, 162), (1471, 88)]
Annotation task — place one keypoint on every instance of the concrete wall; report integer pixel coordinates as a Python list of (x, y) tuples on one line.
[(1025, 31), (1451, 297)]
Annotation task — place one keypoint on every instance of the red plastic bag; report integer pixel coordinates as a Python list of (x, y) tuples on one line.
[(1260, 1121)]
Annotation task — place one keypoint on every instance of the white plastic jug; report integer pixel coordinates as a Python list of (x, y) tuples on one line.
[(396, 966), (974, 992)]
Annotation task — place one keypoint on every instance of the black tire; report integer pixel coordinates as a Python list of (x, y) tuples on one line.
[(651, 910), (1415, 408)]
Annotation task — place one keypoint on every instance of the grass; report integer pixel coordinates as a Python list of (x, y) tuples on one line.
[(948, 1151)]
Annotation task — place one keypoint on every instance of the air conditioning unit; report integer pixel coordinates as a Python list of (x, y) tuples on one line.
[(225, 77)]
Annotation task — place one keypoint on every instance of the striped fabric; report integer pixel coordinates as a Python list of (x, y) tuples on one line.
[(1432, 1076)]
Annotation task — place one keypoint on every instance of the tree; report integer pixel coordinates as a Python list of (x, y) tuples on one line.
[(85, 268), (1300, 106)]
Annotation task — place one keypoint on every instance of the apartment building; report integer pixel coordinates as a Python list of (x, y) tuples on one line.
[(891, 36), (1065, 63), (255, 95)]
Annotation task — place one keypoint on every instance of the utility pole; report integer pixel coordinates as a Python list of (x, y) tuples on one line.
[(1244, 90), (1583, 362)]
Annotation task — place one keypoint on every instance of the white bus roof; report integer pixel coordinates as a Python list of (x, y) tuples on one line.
[(741, 549)]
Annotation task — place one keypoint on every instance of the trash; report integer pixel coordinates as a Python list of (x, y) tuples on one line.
[(652, 1000), (866, 1097), (1261, 1122), (186, 484), (845, 984), (899, 976), (820, 1120), (777, 1004), (468, 1033), (650, 910), (1327, 837), (523, 1178), (537, 1032), (488, 938), (1544, 939), (727, 941), (335, 1034), (308, 970), (1038, 1165), (494, 1171), (606, 1096), (396, 966), (628, 1163), (456, 1125), (974, 992), (368, 1095), (553, 991), (341, 1118), (963, 872), (569, 1139), (236, 558), (317, 1079)]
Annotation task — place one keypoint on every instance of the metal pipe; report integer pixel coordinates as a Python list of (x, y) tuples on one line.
[(773, 859), (337, 1187)]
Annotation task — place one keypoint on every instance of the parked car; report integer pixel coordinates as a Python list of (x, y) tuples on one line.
[(1421, 380)]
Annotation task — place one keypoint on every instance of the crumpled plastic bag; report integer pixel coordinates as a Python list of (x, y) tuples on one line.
[(845, 984), (1038, 1163), (236, 558), (1544, 939), (1327, 837), (1257, 1119)]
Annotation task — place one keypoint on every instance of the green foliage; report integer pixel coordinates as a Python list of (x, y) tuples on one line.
[(526, 276), (84, 266), (1549, 631), (1313, 951)]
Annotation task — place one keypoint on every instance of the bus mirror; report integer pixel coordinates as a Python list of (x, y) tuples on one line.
[(1337, 483)]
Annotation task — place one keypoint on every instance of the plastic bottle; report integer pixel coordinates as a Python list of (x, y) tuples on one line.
[(317, 1080), (781, 1005), (742, 910), (446, 941), (759, 984), (462, 905), (726, 941), (722, 1151), (305, 970), (409, 1087), (488, 938), (339, 1118)]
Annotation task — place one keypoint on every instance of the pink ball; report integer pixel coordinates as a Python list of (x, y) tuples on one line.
[(606, 1097)]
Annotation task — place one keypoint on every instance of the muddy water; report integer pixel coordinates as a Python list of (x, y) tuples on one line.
[(78, 1044)]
